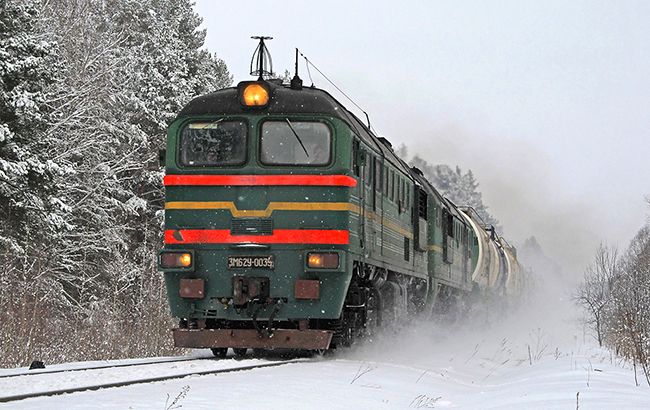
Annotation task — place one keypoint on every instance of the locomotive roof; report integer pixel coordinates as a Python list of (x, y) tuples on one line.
[(307, 100), (283, 100)]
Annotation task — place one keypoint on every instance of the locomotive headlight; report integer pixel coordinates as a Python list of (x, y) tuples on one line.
[(323, 260), (175, 260), (185, 260), (255, 95)]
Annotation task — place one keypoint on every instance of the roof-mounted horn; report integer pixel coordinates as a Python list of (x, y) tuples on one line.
[(262, 60)]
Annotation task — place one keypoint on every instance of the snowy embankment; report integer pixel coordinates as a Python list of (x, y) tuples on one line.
[(477, 379), (535, 359)]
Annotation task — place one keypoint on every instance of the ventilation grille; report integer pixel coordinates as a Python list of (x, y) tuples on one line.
[(251, 226)]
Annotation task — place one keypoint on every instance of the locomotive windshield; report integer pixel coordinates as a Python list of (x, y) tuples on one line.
[(213, 143), (295, 143)]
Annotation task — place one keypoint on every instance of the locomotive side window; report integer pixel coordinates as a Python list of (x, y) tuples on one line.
[(213, 143), (295, 143), (450, 224), (420, 219), (422, 204)]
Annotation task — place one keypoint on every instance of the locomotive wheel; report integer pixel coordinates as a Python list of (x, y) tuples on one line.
[(219, 352), (240, 351)]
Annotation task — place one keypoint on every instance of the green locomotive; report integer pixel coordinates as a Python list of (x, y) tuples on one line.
[(289, 224)]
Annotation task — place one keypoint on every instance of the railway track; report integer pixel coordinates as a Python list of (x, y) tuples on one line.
[(129, 382), (106, 366)]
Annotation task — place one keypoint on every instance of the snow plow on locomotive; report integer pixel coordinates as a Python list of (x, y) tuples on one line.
[(289, 224)]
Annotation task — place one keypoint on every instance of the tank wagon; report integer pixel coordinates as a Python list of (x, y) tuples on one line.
[(290, 224)]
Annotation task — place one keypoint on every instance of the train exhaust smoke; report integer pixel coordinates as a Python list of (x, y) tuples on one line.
[(522, 189)]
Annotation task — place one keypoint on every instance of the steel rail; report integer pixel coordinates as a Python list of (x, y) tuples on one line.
[(35, 372), (24, 396)]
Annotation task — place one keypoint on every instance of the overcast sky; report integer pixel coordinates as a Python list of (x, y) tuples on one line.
[(548, 102)]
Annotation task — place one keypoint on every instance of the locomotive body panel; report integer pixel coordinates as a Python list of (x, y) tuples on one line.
[(251, 211)]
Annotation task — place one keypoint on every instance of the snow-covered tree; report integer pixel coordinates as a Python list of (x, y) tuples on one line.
[(102, 82), (616, 297), (30, 208), (461, 188), (34, 215), (141, 61), (595, 292), (628, 320)]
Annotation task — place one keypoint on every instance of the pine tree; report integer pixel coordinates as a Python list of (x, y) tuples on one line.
[(34, 215), (30, 209), (461, 188)]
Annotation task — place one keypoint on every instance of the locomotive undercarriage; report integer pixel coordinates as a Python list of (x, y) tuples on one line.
[(377, 299)]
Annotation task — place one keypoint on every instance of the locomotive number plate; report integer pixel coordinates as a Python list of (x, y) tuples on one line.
[(258, 262)]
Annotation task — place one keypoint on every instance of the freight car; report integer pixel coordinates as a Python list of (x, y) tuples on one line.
[(290, 224)]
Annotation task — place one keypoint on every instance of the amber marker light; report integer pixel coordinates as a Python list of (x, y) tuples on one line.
[(323, 260), (175, 260), (255, 95), (185, 260), (315, 260)]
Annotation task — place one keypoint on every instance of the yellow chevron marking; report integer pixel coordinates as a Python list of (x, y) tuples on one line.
[(397, 228), (263, 213), (373, 216), (287, 206)]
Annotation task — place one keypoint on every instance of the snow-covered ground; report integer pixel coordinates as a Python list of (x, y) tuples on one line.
[(536, 359), (477, 379)]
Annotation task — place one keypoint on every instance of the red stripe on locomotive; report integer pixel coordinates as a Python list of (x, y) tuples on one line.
[(281, 236), (251, 180)]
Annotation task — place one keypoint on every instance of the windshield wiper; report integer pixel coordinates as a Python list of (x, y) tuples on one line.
[(207, 126), (211, 124), (297, 137)]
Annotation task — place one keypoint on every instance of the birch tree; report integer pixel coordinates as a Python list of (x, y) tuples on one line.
[(595, 292)]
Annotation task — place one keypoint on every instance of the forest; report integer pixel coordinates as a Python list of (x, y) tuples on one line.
[(87, 88)]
